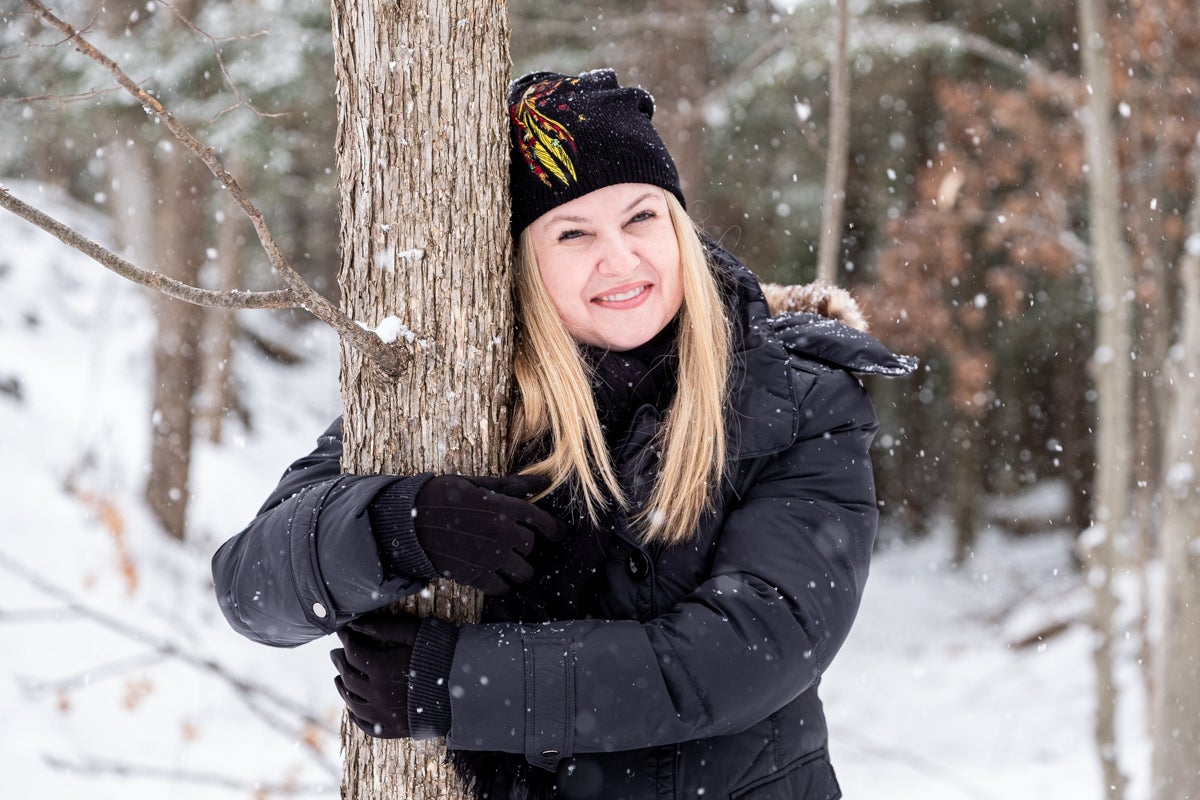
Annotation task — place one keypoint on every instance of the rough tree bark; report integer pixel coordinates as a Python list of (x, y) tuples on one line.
[(1112, 372), (1176, 760), (422, 159)]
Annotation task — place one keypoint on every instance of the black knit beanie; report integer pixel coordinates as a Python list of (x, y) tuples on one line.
[(571, 135)]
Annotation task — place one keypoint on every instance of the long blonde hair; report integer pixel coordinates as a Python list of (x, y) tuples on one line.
[(555, 398)]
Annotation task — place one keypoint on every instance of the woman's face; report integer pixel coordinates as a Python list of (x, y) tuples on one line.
[(610, 262)]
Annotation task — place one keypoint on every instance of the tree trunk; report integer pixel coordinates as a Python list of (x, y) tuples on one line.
[(1113, 376), (1176, 761), (423, 167), (216, 397), (184, 187), (177, 188), (675, 63), (1150, 184), (837, 156)]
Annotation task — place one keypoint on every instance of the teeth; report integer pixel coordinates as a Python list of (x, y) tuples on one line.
[(616, 298)]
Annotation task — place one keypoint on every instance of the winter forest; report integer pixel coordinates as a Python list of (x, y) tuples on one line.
[(1009, 188)]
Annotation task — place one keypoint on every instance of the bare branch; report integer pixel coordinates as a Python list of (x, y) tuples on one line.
[(216, 50), (124, 770), (282, 298), (390, 358), (60, 100), (253, 694), (91, 675)]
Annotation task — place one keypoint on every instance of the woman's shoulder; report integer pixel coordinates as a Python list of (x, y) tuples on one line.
[(817, 322), (809, 337)]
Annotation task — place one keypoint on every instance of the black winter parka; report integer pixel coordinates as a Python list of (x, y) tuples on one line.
[(693, 670)]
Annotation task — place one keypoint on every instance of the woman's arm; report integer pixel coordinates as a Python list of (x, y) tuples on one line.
[(309, 563), (786, 583)]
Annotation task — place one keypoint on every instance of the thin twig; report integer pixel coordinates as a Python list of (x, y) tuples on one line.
[(390, 358), (251, 788), (250, 692), (214, 41), (59, 99), (91, 676), (280, 298)]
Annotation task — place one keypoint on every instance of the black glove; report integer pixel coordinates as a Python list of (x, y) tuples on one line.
[(479, 531), (377, 674)]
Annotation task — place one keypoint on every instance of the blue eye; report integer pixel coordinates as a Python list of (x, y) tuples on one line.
[(571, 234), (643, 216)]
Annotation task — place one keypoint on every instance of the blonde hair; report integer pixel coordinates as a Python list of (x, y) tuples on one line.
[(555, 398)]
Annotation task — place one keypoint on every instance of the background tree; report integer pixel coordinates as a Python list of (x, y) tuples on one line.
[(1112, 369), (1176, 664), (838, 154)]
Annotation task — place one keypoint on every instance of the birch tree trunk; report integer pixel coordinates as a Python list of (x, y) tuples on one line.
[(1113, 376), (1176, 760), (423, 167)]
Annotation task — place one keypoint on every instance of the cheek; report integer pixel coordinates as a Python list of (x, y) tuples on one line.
[(560, 285), (674, 296)]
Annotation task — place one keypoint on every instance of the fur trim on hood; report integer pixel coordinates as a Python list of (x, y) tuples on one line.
[(818, 297)]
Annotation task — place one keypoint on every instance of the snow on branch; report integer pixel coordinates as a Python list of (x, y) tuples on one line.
[(775, 59), (390, 358)]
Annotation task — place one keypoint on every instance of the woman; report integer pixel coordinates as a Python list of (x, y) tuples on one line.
[(682, 547)]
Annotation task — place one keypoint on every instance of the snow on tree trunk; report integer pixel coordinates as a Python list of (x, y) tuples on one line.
[(423, 159), (1176, 760), (1112, 371)]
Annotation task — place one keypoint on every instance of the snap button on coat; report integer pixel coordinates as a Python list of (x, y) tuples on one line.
[(637, 565)]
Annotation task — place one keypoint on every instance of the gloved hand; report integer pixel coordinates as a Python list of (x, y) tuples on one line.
[(375, 673), (479, 531)]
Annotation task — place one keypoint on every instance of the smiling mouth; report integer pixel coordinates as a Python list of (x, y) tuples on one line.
[(620, 296)]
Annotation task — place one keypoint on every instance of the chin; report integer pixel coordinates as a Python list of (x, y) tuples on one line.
[(625, 343)]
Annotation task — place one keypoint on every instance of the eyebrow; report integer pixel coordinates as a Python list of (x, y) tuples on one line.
[(570, 218)]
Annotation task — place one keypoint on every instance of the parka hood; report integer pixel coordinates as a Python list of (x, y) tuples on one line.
[(769, 349)]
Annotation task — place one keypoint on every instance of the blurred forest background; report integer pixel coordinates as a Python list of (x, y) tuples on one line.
[(965, 232)]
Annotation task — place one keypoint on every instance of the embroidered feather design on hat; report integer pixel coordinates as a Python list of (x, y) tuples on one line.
[(545, 144)]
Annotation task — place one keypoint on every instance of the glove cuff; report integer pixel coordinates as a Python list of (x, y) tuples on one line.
[(391, 516), (429, 682)]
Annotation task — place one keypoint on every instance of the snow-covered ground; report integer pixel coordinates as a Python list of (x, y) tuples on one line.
[(120, 679)]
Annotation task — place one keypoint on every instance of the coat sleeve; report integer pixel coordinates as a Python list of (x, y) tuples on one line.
[(308, 563), (784, 588)]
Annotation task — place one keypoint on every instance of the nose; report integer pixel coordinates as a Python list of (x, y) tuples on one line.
[(617, 257)]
